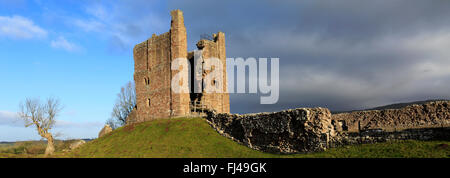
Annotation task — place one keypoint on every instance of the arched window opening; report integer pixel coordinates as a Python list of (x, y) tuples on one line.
[(146, 81)]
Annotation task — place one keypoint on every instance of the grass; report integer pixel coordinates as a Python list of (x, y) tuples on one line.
[(30, 149), (194, 138)]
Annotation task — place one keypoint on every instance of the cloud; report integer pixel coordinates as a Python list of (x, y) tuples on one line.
[(123, 23), (62, 43), (70, 124), (89, 25), (98, 11), (10, 119), (18, 27), (342, 55), (13, 129)]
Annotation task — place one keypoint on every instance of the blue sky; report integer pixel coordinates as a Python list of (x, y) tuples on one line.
[(342, 55), (63, 49)]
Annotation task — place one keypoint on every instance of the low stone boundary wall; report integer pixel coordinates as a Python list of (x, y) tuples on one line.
[(289, 131), (428, 115), (374, 136), (315, 129)]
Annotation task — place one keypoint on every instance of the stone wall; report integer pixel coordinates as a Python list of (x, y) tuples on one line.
[(178, 47), (153, 75), (431, 114), (218, 101), (374, 136), (132, 117), (316, 129), (153, 91), (290, 131)]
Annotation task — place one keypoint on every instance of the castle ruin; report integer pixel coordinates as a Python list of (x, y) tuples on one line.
[(289, 131), (153, 60)]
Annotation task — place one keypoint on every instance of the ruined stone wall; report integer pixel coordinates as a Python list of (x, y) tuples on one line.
[(158, 90), (431, 114), (315, 129), (225, 96), (219, 101), (132, 117), (375, 136), (153, 74), (140, 77), (178, 46), (152, 77), (290, 131)]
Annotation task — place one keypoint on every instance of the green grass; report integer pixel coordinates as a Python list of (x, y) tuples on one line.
[(30, 149), (194, 138)]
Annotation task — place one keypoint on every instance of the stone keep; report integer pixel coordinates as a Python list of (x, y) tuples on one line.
[(153, 59)]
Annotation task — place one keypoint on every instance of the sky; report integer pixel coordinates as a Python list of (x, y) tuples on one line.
[(343, 55)]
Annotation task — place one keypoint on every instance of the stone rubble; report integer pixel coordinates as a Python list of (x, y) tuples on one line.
[(106, 130)]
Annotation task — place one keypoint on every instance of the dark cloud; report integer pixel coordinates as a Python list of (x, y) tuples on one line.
[(338, 54)]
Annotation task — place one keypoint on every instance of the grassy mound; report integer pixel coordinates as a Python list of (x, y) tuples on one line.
[(194, 138), (182, 137)]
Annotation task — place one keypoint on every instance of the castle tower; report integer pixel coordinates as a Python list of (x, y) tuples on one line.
[(225, 96), (153, 75), (180, 101), (215, 48)]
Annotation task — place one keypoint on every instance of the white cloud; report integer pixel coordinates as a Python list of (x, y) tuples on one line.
[(20, 28), (62, 43), (70, 124), (97, 11), (122, 24), (10, 118), (89, 25)]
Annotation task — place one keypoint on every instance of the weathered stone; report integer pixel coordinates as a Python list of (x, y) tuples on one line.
[(290, 131), (107, 129), (431, 114), (153, 75), (315, 129), (76, 144)]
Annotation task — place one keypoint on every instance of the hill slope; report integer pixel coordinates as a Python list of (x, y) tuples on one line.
[(402, 105), (182, 137), (392, 106), (194, 138)]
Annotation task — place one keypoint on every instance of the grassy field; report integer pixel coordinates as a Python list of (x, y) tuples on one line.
[(194, 138), (30, 149)]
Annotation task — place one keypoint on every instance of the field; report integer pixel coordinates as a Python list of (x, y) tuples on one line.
[(194, 138), (30, 149)]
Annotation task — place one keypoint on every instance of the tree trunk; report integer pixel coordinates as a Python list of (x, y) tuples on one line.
[(50, 146)]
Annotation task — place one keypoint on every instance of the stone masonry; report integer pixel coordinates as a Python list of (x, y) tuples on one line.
[(427, 115), (289, 131), (153, 59), (316, 129)]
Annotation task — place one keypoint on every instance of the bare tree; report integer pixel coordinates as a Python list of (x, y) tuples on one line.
[(43, 116), (125, 103), (112, 123)]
